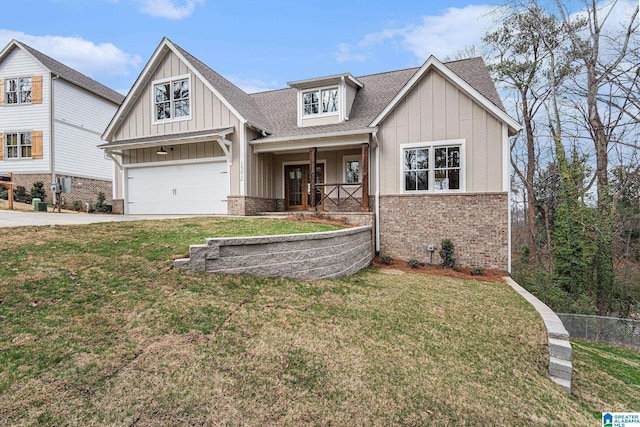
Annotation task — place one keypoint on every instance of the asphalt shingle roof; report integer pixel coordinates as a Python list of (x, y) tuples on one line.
[(75, 77), (239, 99), (474, 71), (280, 106)]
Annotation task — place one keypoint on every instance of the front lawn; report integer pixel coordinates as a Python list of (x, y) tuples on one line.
[(98, 329)]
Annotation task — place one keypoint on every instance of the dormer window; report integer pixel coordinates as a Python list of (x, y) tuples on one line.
[(326, 100), (321, 101)]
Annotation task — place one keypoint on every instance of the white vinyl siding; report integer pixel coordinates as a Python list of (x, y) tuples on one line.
[(26, 117), (80, 119)]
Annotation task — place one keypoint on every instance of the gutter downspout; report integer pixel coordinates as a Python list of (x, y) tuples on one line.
[(243, 160), (52, 163), (508, 189), (377, 197)]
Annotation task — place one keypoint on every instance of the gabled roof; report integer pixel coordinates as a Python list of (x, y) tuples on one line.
[(234, 98), (65, 72), (380, 93), (280, 106), (238, 98), (473, 72), (275, 112)]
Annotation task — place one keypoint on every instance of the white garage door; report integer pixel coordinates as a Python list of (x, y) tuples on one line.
[(179, 189)]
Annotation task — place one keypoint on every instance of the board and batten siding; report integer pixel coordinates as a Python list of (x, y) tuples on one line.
[(436, 110), (199, 150), (80, 118), (261, 173), (26, 117), (207, 112)]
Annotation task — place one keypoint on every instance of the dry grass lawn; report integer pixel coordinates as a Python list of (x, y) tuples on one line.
[(97, 329)]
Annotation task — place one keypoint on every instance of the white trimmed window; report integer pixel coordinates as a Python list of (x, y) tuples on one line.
[(433, 166), (172, 99), (18, 145), (320, 102), (351, 169), (18, 90)]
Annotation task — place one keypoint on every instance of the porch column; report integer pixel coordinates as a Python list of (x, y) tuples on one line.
[(364, 170), (313, 152)]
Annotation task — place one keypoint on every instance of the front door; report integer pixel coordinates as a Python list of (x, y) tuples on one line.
[(297, 188)]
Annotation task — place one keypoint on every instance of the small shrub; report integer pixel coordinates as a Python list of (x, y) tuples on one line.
[(477, 271), (37, 191), (92, 207), (20, 195), (386, 260), (414, 263), (76, 205), (446, 253)]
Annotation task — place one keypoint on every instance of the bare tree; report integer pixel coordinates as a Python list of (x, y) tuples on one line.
[(605, 106)]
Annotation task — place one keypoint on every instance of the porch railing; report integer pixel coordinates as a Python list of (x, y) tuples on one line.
[(340, 194)]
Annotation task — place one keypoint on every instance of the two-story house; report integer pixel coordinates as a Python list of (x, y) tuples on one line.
[(51, 121), (424, 151)]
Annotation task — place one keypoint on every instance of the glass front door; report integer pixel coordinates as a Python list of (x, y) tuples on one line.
[(297, 188)]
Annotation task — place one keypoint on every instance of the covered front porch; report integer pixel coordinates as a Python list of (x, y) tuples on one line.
[(329, 175)]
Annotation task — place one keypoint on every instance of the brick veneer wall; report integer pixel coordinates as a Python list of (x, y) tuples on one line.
[(477, 224), (300, 256), (83, 189), (249, 205)]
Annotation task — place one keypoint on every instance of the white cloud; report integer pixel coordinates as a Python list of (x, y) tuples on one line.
[(344, 54), (81, 55), (170, 9), (439, 35), (450, 32), (251, 85)]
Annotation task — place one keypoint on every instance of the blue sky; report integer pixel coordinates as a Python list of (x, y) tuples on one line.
[(258, 45)]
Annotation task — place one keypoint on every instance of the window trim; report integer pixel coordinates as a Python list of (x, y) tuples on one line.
[(171, 80), (432, 145), (17, 92), (350, 158), (18, 146), (319, 91)]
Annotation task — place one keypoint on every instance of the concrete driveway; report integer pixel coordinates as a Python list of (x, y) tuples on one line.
[(26, 218)]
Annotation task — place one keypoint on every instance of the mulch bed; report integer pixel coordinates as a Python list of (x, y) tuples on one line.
[(489, 275)]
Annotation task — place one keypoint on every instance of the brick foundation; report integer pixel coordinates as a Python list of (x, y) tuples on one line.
[(118, 206), (84, 190), (249, 206), (477, 224)]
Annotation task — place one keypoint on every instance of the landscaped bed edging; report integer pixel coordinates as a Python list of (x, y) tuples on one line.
[(560, 351), (323, 255)]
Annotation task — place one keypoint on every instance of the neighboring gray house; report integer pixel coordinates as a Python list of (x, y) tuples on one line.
[(422, 153), (51, 121)]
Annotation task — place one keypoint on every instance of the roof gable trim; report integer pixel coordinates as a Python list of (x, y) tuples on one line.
[(145, 78), (433, 63)]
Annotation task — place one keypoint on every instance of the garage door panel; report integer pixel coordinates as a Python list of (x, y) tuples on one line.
[(178, 189)]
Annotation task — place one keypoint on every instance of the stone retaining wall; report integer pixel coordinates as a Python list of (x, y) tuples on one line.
[(322, 255), (560, 351)]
